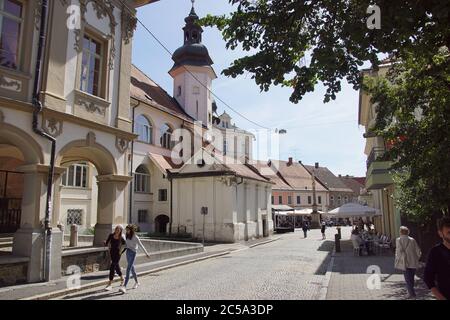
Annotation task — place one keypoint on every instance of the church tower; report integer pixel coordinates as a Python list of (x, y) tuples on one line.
[(192, 73)]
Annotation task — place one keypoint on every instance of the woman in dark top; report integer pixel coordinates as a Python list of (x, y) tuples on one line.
[(115, 241), (322, 230)]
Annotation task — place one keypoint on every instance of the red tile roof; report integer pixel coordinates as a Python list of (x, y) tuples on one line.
[(146, 90)]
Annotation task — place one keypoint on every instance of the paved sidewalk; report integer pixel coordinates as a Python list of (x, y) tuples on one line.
[(90, 280), (348, 279)]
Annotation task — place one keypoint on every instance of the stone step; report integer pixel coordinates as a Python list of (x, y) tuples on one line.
[(6, 244)]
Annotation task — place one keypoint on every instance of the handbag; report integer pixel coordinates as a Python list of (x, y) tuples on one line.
[(400, 259)]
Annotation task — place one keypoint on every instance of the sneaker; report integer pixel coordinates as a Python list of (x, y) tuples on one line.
[(123, 289), (136, 285), (108, 288)]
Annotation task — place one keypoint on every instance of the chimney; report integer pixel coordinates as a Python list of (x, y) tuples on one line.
[(290, 161), (340, 176), (317, 165)]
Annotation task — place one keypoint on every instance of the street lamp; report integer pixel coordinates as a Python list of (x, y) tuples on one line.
[(315, 214)]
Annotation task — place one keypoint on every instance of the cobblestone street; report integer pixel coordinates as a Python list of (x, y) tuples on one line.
[(290, 268)]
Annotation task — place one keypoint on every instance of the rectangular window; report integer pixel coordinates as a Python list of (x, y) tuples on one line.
[(280, 199), (273, 200), (141, 182), (309, 200), (142, 216), (74, 216), (91, 66), (224, 147), (11, 21), (319, 199), (162, 195), (289, 199), (298, 200), (76, 176), (339, 200)]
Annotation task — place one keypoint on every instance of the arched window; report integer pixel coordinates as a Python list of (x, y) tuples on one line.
[(144, 129), (141, 180), (166, 136)]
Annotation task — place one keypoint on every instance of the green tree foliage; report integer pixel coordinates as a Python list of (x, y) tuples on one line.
[(333, 34), (413, 98), (413, 112)]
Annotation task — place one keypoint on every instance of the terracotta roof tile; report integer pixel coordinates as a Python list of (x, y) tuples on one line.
[(146, 90)]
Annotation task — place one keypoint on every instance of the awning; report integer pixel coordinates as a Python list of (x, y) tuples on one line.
[(351, 210)]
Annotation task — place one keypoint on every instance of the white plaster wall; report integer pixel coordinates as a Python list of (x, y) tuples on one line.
[(188, 99)]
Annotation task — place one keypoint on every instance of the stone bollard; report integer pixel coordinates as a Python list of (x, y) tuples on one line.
[(73, 235), (62, 228), (337, 243)]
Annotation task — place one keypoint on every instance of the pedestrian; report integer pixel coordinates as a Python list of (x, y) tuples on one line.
[(115, 242), (322, 229), (305, 229), (437, 269), (133, 243), (407, 255)]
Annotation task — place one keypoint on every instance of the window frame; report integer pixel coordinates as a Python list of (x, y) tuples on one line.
[(22, 22), (299, 200), (162, 198), (84, 173), (144, 212), (102, 85), (143, 181), (166, 138), (280, 199), (148, 125)]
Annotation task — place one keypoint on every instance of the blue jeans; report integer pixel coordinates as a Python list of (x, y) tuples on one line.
[(131, 257), (409, 278)]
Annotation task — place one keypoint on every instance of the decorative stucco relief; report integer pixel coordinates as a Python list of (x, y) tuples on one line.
[(122, 144), (91, 106), (10, 84), (103, 9), (129, 23), (52, 126), (90, 139)]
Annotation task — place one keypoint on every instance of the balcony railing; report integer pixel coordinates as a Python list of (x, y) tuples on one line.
[(375, 154)]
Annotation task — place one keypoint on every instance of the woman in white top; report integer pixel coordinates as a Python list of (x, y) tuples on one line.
[(133, 243), (407, 255)]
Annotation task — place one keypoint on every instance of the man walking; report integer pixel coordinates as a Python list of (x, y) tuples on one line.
[(437, 270), (305, 228), (407, 254)]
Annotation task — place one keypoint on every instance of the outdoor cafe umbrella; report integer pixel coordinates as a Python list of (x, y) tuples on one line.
[(353, 210)]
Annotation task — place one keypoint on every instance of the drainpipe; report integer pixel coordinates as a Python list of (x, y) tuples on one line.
[(37, 104), (171, 204), (130, 214)]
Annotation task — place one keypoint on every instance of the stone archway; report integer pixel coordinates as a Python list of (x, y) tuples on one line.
[(28, 156), (111, 187), (161, 223)]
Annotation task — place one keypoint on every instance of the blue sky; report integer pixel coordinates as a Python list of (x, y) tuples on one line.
[(316, 132)]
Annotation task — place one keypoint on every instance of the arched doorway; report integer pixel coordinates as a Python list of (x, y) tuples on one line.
[(161, 222), (17, 149)]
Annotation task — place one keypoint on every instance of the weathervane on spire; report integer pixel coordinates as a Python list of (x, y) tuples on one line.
[(193, 1)]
